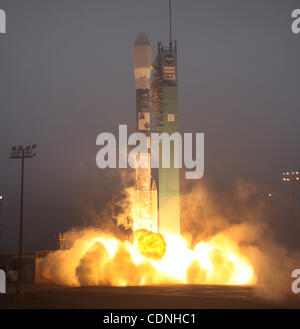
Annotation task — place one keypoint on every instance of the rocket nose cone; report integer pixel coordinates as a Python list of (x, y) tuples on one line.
[(142, 40)]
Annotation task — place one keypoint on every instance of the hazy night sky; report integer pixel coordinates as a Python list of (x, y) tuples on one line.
[(66, 75)]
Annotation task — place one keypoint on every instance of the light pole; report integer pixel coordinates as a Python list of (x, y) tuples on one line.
[(292, 178), (22, 153)]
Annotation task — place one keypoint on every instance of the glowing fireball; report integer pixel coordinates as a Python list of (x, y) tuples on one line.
[(149, 244)]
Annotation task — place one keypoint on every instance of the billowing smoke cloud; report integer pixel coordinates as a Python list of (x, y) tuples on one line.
[(244, 214), (88, 262), (114, 217), (238, 220)]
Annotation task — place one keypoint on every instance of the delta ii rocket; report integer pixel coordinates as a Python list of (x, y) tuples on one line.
[(157, 214), (145, 205)]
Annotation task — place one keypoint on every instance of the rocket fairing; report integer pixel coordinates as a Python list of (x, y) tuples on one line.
[(145, 206)]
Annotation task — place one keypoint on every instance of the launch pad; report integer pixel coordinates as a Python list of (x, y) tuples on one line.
[(147, 297)]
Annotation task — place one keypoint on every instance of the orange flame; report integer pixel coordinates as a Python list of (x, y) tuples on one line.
[(150, 259), (149, 244)]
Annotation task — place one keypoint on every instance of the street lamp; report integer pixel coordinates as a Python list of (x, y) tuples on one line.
[(21, 152), (292, 177)]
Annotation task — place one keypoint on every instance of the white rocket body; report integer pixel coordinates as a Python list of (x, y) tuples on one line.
[(142, 62), (145, 206)]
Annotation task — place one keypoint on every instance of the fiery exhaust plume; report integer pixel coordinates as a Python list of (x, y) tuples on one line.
[(97, 259), (226, 239)]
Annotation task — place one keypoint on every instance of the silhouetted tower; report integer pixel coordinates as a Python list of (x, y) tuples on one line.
[(165, 112)]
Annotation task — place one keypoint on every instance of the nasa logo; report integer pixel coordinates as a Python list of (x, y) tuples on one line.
[(169, 59)]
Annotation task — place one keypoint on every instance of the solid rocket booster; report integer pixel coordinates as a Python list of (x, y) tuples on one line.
[(145, 212)]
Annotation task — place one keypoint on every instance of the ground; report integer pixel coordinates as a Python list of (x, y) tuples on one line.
[(171, 296)]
